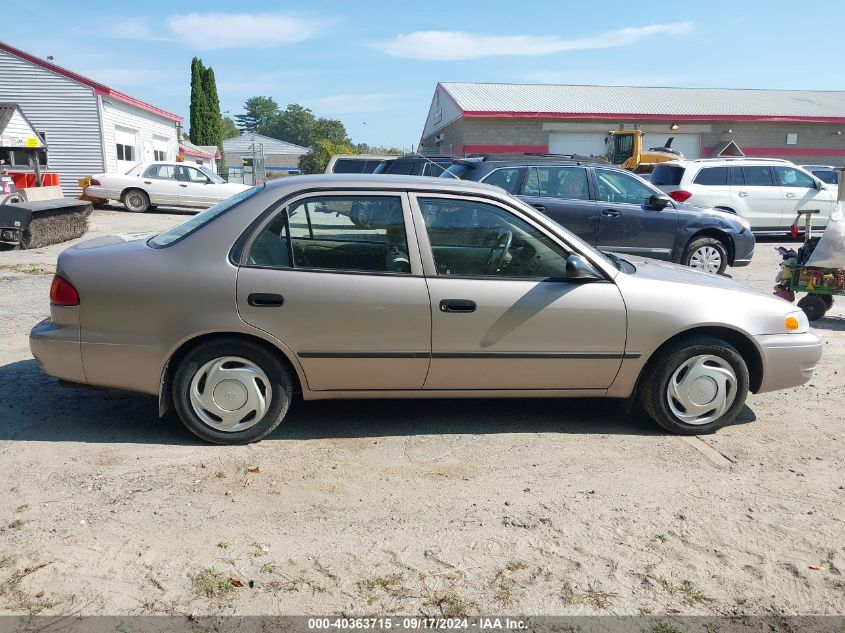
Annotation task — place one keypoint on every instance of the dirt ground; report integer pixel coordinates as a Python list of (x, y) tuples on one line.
[(538, 507)]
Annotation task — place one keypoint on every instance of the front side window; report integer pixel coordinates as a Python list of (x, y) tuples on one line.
[(617, 186), (345, 233), (758, 176), (476, 239), (790, 177), (563, 182), (508, 178), (190, 174)]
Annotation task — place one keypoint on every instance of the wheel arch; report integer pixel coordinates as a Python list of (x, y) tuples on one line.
[(284, 356), (126, 190), (716, 234), (743, 343)]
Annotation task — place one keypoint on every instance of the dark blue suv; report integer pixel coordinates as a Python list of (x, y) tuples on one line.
[(614, 210)]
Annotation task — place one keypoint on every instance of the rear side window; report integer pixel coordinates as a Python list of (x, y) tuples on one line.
[(758, 176), (399, 167), (508, 178), (667, 175), (349, 166), (563, 182), (715, 176)]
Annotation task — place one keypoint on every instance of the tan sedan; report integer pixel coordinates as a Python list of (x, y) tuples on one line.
[(404, 287)]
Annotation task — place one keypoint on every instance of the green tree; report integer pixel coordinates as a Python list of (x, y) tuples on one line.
[(212, 132), (364, 148), (315, 161), (198, 108), (295, 124), (257, 112), (228, 128), (330, 129)]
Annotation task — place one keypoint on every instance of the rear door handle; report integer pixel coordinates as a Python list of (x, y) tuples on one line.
[(457, 305), (148, 182), (611, 213), (181, 185), (539, 207), (265, 300), (743, 194), (790, 194)]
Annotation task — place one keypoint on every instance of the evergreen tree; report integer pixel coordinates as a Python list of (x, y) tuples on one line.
[(258, 111), (212, 124), (198, 102)]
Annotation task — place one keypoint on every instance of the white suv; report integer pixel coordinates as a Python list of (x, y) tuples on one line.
[(765, 191)]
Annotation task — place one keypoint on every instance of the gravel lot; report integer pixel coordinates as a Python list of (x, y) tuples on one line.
[(543, 507)]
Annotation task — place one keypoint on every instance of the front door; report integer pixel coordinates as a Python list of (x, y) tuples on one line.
[(800, 193), (503, 314), (757, 197), (334, 279), (563, 194), (195, 188), (628, 223)]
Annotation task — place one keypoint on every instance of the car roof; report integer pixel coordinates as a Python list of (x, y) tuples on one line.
[(729, 160), (820, 167), (384, 181)]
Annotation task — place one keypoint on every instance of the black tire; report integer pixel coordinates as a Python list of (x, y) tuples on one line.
[(828, 301), (814, 306), (654, 383), (135, 200), (703, 245), (277, 374)]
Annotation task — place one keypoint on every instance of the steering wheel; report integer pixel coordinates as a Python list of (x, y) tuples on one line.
[(499, 252)]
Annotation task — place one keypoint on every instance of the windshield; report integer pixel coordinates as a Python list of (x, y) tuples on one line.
[(214, 177), (200, 219), (456, 170)]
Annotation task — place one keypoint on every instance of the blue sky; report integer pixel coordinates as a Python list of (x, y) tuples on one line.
[(374, 65)]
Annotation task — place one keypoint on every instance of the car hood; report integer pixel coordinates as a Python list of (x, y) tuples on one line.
[(664, 271)]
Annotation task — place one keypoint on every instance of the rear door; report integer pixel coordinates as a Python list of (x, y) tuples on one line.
[(563, 194), (757, 197), (160, 183), (628, 224), (800, 193), (348, 298)]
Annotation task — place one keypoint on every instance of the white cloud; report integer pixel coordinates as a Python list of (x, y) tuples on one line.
[(351, 103), (208, 31), (456, 45)]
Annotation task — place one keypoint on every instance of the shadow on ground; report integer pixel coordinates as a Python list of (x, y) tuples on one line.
[(34, 408), (836, 323)]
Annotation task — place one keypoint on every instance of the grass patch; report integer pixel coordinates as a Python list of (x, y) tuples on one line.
[(452, 605), (597, 596), (661, 537), (223, 545), (212, 584), (516, 565), (665, 627), (691, 593), (568, 595)]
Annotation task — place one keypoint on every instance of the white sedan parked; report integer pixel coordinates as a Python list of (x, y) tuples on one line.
[(173, 184)]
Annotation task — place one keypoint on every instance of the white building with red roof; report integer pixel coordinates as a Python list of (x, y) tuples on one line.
[(89, 127)]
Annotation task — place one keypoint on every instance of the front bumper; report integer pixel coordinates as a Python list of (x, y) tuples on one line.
[(743, 248), (56, 349), (788, 359)]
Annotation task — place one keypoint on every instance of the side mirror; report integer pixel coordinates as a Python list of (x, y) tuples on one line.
[(659, 202), (578, 268)]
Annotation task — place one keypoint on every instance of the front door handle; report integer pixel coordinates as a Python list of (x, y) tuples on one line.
[(457, 305), (611, 213), (539, 207), (743, 194), (265, 300), (148, 182)]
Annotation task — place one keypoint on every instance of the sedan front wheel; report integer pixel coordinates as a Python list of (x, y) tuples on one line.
[(696, 386), (706, 254)]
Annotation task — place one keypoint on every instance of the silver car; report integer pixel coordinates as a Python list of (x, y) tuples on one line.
[(404, 287)]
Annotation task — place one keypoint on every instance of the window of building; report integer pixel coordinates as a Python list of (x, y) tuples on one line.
[(159, 155), (125, 152)]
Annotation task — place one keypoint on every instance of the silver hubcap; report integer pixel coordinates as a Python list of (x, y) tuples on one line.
[(701, 389), (230, 394), (707, 259), (134, 201)]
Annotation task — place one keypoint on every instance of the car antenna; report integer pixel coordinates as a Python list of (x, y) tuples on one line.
[(428, 160)]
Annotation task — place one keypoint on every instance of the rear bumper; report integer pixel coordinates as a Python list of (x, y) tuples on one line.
[(788, 359), (57, 351)]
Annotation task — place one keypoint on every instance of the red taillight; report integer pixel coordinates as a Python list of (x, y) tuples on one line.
[(680, 195), (62, 292), (94, 182)]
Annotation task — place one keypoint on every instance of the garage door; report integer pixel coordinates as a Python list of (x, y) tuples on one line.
[(688, 144), (583, 143)]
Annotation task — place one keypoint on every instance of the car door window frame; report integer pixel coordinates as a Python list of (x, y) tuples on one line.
[(523, 177), (284, 206), (427, 255), (643, 204), (591, 193)]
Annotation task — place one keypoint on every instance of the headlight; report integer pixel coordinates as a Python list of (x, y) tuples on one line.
[(796, 323), (744, 223)]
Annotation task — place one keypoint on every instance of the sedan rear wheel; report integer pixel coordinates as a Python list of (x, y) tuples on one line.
[(231, 392), (136, 201), (706, 254), (696, 386)]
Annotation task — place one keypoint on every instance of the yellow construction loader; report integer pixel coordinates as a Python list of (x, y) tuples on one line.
[(625, 149)]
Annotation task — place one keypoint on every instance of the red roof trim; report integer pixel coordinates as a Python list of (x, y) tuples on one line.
[(784, 151), (505, 149), (652, 117), (193, 152), (98, 88)]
